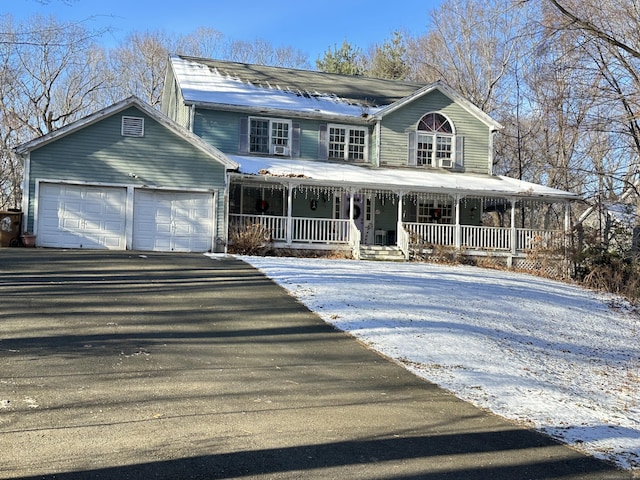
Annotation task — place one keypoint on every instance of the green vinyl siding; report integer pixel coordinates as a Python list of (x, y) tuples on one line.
[(173, 102), (396, 126), (99, 154), (222, 130)]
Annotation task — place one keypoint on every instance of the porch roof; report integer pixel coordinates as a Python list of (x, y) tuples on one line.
[(407, 180)]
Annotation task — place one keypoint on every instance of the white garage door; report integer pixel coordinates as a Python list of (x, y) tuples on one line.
[(79, 216), (172, 221)]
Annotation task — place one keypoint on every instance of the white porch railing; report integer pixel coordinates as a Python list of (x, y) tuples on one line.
[(404, 240), (355, 237), (275, 225), (530, 239), (320, 230), (304, 230), (431, 234), (485, 238), (344, 232)]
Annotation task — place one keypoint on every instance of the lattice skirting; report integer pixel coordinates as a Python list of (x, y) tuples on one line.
[(549, 266)]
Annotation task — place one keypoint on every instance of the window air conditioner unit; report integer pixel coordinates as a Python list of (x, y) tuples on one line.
[(446, 163), (280, 150)]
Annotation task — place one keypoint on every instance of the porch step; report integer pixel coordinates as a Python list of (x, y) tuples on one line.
[(381, 253)]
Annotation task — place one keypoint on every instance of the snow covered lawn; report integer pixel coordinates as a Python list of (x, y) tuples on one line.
[(552, 356)]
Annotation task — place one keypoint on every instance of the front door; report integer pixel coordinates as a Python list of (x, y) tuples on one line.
[(361, 215)]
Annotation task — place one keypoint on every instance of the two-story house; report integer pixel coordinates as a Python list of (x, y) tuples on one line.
[(328, 160), (322, 161)]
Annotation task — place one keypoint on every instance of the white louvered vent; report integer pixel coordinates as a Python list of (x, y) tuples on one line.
[(132, 127)]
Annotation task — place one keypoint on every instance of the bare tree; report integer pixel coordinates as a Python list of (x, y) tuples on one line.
[(51, 74), (470, 45)]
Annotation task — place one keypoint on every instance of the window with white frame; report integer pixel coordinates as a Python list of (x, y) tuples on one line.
[(434, 142), (434, 211), (347, 143), (269, 136)]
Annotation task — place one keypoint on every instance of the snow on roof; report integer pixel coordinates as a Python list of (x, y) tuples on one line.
[(415, 179), (200, 83)]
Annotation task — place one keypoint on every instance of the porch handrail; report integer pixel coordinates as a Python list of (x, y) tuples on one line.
[(354, 239), (403, 240)]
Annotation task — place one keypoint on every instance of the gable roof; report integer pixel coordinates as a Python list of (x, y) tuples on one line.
[(450, 93), (116, 108), (208, 82), (355, 90)]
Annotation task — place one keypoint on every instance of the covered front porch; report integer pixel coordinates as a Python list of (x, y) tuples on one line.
[(298, 213)]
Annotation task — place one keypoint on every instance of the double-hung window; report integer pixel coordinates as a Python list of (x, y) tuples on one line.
[(434, 142), (347, 143), (269, 136)]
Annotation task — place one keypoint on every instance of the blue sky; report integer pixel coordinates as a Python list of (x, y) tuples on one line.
[(311, 26)]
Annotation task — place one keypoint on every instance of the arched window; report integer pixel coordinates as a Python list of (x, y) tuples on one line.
[(434, 142)]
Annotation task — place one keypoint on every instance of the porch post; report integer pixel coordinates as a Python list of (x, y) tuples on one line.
[(351, 204), (400, 226), (567, 227), (289, 233), (514, 232), (458, 226)]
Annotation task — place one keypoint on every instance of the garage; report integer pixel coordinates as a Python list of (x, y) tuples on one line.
[(81, 216), (169, 221)]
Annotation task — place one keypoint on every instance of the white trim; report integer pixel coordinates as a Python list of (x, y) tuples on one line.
[(348, 128), (271, 146), (131, 126), (116, 108), (449, 92)]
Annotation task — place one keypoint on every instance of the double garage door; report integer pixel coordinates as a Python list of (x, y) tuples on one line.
[(96, 217)]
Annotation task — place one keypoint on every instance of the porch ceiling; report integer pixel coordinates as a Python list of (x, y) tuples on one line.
[(396, 179)]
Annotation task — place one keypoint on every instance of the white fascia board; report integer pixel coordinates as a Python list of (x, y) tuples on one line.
[(158, 116)]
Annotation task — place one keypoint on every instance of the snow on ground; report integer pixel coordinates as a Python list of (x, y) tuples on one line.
[(550, 355)]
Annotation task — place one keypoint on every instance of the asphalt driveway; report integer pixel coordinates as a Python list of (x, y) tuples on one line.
[(171, 366)]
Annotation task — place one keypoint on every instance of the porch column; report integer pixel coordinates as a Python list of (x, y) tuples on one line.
[(351, 204), (567, 227), (400, 226), (289, 233), (514, 231), (458, 238)]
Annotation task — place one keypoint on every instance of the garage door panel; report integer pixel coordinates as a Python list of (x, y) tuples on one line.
[(81, 216), (173, 221)]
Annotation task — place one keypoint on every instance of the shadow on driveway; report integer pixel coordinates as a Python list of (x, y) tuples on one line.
[(169, 366)]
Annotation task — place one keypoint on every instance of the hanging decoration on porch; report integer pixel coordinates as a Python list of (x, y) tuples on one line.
[(383, 196), (356, 211), (262, 205), (316, 191)]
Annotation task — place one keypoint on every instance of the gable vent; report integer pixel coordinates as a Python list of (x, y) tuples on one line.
[(132, 127)]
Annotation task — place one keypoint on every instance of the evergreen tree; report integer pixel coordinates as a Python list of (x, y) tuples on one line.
[(346, 60), (389, 60)]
